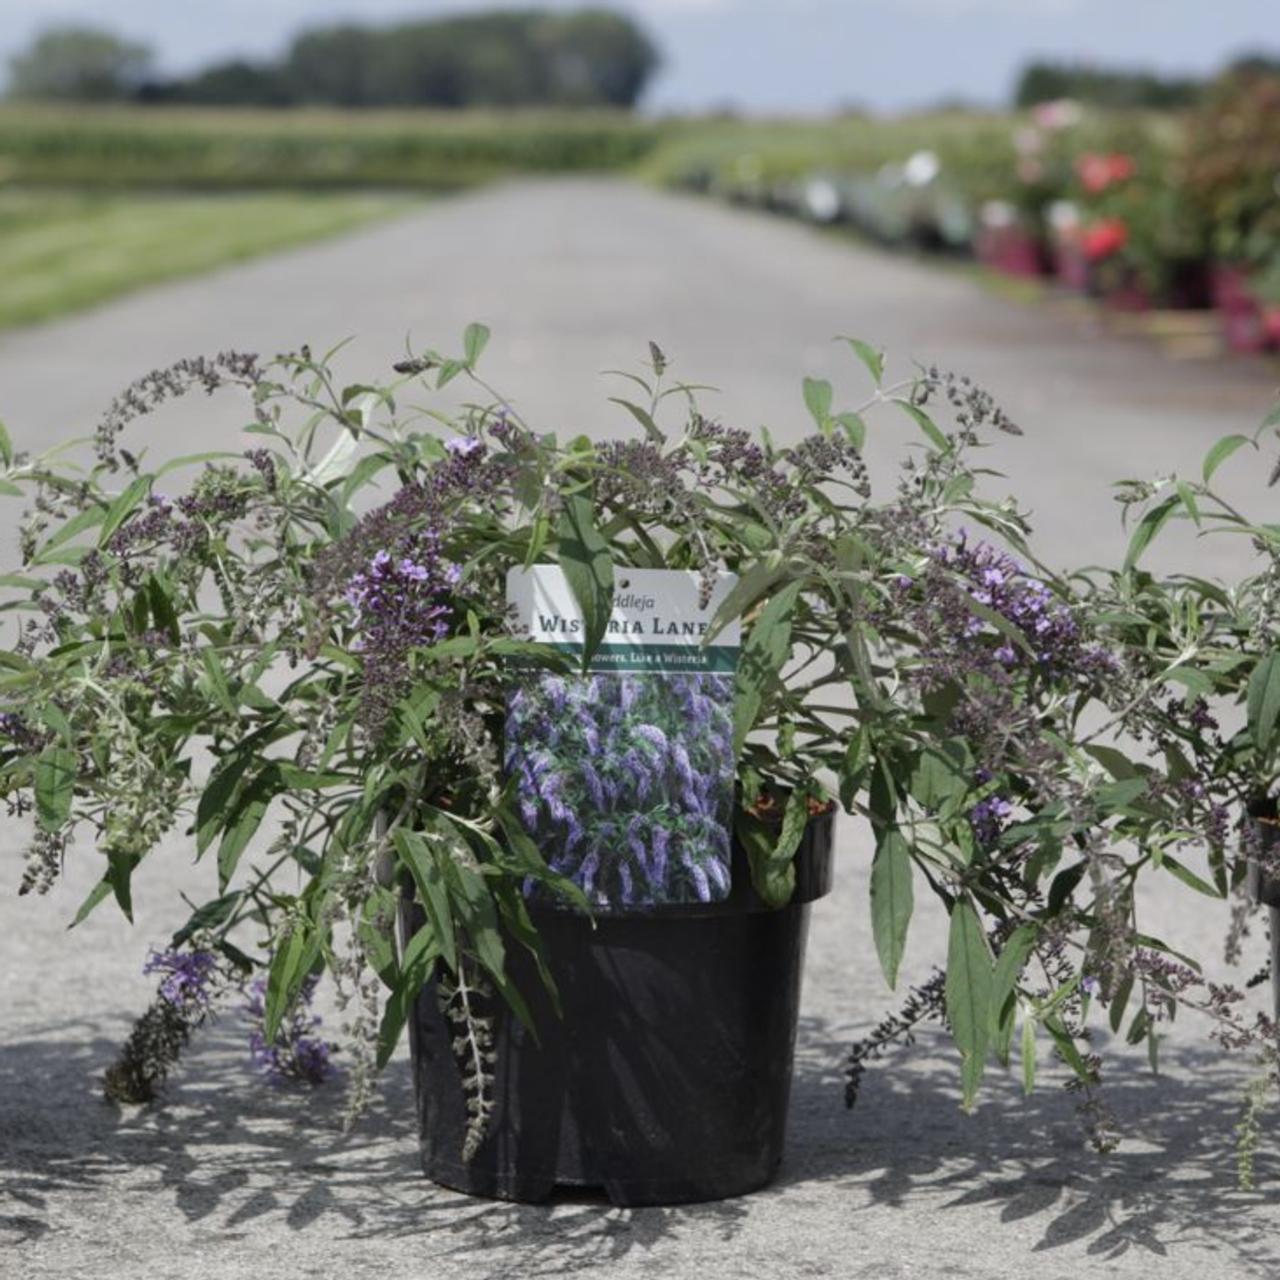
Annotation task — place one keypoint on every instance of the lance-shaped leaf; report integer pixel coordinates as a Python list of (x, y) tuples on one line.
[(968, 995), (55, 784), (892, 900), (817, 399), (588, 568), (293, 961), (1148, 527), (1004, 986), (1264, 700), (761, 660)]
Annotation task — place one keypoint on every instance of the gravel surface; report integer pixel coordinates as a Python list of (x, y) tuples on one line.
[(233, 1178)]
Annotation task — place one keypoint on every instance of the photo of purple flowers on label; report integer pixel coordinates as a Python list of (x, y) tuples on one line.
[(624, 774)]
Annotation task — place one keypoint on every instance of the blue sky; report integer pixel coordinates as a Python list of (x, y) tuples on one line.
[(766, 55)]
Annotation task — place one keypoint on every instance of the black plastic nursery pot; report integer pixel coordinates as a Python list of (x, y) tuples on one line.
[(667, 1079)]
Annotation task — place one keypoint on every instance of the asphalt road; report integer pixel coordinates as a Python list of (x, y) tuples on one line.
[(232, 1178)]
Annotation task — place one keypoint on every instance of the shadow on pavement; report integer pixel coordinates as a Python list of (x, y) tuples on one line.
[(1172, 1180), (228, 1152)]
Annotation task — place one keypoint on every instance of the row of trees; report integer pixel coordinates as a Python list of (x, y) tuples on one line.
[(1119, 88), (586, 57)]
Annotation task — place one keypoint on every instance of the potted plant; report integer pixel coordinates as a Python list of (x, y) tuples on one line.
[(1009, 241), (1233, 155), (1204, 721), (351, 670)]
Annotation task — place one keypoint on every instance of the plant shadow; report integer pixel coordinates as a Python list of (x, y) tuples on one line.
[(238, 1156)]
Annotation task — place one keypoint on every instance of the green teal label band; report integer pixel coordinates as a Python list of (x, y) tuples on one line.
[(722, 659)]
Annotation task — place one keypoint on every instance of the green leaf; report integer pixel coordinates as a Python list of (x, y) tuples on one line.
[(773, 872), (123, 507), (756, 582), (941, 774), (1188, 500), (307, 780), (873, 359), (1116, 763), (474, 340), (854, 427), (416, 965), (1119, 1002), (1148, 527), (360, 475), (290, 966), (449, 369), (474, 903), (120, 866), (1004, 986), (162, 610), (1066, 1047), (1264, 701), (968, 995), (817, 399), (208, 916), (855, 768), (433, 896), (1028, 1052), (98, 894), (1188, 877), (55, 785), (892, 900), (1220, 452), (6, 446), (643, 417), (760, 660), (87, 519), (926, 424), (250, 807), (191, 459), (527, 860), (213, 809), (588, 567), (217, 680)]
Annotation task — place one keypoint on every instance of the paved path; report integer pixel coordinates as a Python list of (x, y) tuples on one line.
[(233, 1179)]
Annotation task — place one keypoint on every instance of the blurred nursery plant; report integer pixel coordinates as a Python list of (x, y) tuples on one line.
[(344, 661)]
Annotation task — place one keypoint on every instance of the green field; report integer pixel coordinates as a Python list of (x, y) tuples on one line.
[(225, 149), (96, 201), (60, 251)]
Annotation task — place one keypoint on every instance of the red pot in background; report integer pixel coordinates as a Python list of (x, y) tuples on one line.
[(1013, 251), (1129, 296), (1249, 325), (1271, 323), (1230, 289), (1071, 266)]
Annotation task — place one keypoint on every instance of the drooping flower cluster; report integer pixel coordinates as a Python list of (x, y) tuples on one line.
[(160, 385), (17, 731), (626, 782), (188, 981), (191, 982), (297, 1052), (978, 614), (988, 818), (997, 582)]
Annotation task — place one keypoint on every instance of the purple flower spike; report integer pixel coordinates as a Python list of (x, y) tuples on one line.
[(464, 446), (297, 1053), (188, 977)]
